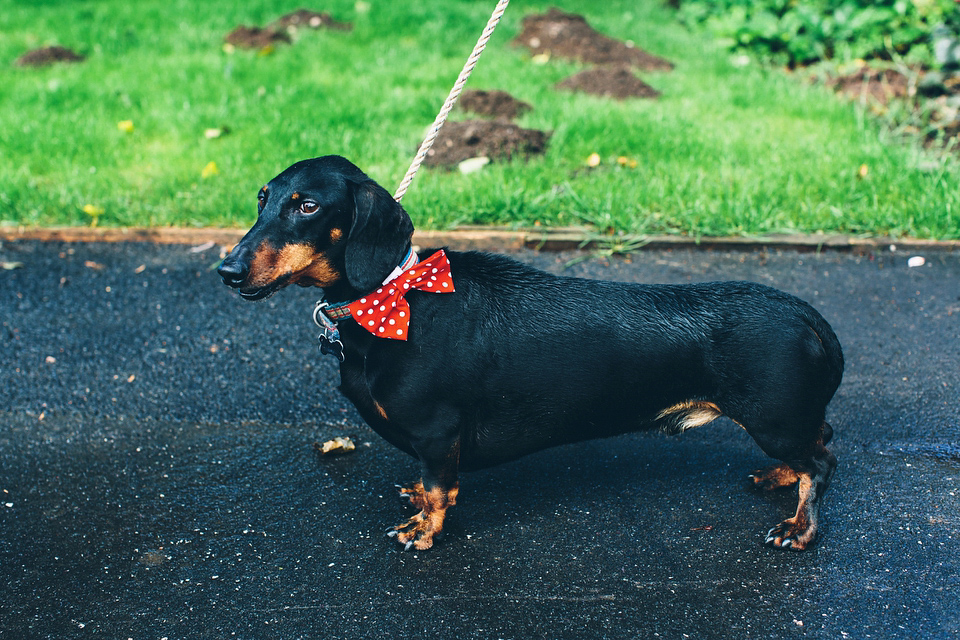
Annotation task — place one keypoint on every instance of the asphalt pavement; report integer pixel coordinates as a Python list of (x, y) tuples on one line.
[(158, 477)]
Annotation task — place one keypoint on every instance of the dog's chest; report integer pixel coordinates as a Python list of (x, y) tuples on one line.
[(356, 388)]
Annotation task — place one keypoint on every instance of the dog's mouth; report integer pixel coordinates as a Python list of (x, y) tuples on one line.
[(257, 294), (261, 293)]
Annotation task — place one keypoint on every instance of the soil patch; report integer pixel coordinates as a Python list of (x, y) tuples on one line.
[(246, 37), (306, 18), (949, 132), (567, 35), (880, 85), (495, 139), (931, 98), (609, 81), (47, 56), (281, 29), (493, 103)]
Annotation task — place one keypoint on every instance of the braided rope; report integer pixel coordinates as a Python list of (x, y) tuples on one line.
[(451, 98)]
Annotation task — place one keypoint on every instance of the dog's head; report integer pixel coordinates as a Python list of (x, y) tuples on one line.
[(324, 223)]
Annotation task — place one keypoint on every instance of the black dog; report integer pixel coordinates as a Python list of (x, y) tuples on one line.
[(512, 360)]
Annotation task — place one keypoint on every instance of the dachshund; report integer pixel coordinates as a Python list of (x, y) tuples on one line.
[(466, 360)]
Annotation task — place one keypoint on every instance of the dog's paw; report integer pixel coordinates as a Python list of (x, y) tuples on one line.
[(416, 533), (790, 535), (776, 477), (414, 496)]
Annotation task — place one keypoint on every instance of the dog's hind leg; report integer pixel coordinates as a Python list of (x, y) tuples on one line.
[(775, 477), (782, 475), (813, 479), (812, 476)]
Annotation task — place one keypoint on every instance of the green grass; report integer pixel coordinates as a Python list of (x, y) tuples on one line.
[(725, 150)]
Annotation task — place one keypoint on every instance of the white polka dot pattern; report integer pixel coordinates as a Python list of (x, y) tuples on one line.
[(385, 312)]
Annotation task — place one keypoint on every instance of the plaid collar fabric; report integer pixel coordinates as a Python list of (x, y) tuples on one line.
[(385, 312)]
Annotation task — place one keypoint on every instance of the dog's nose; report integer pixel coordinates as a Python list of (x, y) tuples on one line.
[(233, 271)]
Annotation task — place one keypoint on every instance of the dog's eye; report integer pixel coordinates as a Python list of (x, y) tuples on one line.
[(309, 206), (261, 200)]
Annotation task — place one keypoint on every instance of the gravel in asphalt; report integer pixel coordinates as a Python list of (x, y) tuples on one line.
[(158, 477)]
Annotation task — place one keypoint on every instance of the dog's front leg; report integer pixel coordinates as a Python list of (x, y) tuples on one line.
[(433, 495)]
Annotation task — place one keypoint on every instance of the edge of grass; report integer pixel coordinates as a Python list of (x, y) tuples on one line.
[(727, 149)]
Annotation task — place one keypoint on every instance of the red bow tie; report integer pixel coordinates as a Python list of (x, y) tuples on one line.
[(385, 313)]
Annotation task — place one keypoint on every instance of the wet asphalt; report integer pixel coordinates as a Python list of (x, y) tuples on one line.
[(158, 477)]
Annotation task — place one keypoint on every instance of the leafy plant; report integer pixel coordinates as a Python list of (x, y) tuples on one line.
[(799, 32)]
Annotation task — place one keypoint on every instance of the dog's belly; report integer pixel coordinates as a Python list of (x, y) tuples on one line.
[(497, 430), (508, 431)]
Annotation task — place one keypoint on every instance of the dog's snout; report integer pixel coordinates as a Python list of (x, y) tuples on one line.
[(233, 270)]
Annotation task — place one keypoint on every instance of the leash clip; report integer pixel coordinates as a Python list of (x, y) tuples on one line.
[(330, 343)]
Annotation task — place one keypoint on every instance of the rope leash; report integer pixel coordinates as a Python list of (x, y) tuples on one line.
[(451, 99)]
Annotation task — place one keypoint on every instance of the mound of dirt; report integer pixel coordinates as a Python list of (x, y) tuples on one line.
[(568, 35), (493, 103), (312, 19), (609, 81), (881, 85), (492, 138), (47, 56), (246, 37), (948, 133), (931, 97), (280, 29)]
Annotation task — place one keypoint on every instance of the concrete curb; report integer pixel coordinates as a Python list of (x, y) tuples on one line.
[(493, 239)]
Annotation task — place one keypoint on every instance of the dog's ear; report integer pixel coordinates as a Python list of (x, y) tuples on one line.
[(379, 236)]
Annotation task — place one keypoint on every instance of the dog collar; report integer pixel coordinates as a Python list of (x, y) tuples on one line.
[(385, 312)]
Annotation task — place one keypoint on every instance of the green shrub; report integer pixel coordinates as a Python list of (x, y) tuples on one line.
[(797, 32)]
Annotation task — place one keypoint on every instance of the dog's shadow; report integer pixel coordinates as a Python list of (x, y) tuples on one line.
[(619, 483)]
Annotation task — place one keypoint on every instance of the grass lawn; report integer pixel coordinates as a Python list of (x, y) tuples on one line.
[(725, 149)]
